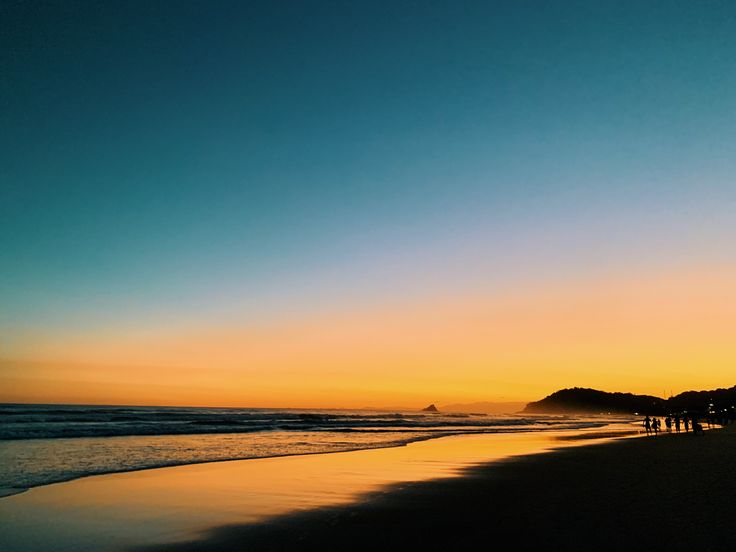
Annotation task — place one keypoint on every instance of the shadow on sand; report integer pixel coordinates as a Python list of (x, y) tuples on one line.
[(673, 493)]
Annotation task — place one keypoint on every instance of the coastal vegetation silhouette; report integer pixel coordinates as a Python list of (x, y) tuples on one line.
[(592, 401)]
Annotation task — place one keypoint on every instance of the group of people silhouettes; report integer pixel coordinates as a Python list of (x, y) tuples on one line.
[(654, 425)]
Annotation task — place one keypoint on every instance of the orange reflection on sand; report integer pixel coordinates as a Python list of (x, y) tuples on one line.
[(170, 504)]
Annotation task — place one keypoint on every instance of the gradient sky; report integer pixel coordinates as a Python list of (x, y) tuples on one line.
[(365, 203)]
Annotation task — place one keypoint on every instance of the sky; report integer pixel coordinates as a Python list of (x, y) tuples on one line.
[(345, 204)]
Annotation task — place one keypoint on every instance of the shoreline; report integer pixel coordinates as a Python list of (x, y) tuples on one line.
[(6, 492), (448, 493), (177, 504), (18, 490), (669, 492)]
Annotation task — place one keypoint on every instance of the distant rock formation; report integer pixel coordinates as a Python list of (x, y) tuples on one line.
[(592, 401), (430, 408)]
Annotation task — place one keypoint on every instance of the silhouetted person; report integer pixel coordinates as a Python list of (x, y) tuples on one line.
[(697, 427), (677, 424), (668, 423), (687, 423), (648, 425), (655, 425)]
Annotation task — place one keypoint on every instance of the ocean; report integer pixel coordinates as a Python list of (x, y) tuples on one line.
[(43, 444)]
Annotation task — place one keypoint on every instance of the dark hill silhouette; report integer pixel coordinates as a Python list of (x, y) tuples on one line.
[(430, 408), (582, 400), (592, 401), (721, 399)]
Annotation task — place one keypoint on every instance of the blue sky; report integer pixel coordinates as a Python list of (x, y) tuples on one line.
[(167, 161)]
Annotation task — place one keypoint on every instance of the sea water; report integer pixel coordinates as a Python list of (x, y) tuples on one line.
[(42, 444)]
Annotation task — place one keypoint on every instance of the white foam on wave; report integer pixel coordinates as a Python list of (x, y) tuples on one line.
[(42, 445)]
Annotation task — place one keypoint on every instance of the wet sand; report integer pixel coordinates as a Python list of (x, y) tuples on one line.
[(669, 493), (185, 503)]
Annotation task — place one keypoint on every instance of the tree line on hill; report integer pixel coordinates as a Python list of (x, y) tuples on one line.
[(592, 401)]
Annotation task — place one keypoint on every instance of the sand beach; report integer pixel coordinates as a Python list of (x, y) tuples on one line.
[(539, 491), (669, 492)]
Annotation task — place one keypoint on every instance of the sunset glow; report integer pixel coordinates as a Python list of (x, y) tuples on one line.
[(370, 275), (277, 218), (656, 332)]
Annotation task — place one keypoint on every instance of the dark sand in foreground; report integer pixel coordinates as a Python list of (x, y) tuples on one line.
[(669, 493)]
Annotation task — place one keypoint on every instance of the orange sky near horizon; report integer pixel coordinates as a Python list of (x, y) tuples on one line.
[(647, 333), (359, 205)]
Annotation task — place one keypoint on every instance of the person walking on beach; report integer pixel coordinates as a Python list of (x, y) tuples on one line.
[(648, 425), (677, 424), (668, 423), (687, 423), (697, 427), (655, 425)]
